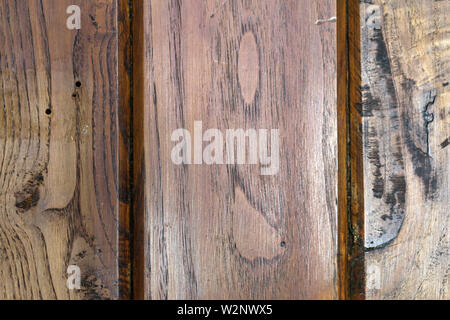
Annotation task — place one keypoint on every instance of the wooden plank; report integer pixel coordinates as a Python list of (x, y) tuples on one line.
[(350, 168), (140, 264), (226, 231), (124, 148), (58, 149), (405, 96)]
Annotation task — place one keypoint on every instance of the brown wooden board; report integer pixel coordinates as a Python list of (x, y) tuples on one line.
[(91, 176), (125, 74), (350, 154), (58, 149), (226, 231)]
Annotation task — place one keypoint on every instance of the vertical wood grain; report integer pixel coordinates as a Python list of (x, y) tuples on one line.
[(125, 136), (225, 231), (140, 248), (350, 154), (58, 149), (405, 98), (358, 209)]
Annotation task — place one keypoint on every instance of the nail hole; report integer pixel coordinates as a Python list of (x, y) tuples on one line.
[(48, 112), (429, 117), (283, 244), (78, 84)]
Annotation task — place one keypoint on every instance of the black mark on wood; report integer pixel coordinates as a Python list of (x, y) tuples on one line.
[(445, 143)]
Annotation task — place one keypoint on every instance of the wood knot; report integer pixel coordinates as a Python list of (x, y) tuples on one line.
[(30, 195), (248, 67), (255, 238)]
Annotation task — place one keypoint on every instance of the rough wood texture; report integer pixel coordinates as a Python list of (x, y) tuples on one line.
[(58, 149), (405, 95), (218, 231)]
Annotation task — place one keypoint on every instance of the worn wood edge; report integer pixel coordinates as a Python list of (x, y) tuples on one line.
[(350, 154), (138, 151), (125, 148)]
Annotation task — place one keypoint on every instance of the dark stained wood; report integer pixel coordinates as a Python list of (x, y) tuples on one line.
[(140, 248), (218, 231), (59, 140), (405, 94), (125, 147), (350, 174)]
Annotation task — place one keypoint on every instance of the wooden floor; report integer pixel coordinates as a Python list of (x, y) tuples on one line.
[(354, 98)]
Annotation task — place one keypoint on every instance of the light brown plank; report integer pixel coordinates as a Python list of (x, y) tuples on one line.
[(405, 96), (225, 231), (58, 149)]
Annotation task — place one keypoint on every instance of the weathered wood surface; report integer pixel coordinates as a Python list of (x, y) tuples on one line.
[(58, 149), (405, 98), (225, 231)]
